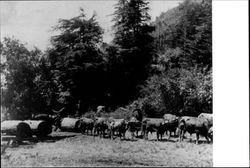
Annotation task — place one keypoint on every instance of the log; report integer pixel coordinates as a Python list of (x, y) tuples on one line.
[(45, 117), (40, 128), (71, 124), (16, 127)]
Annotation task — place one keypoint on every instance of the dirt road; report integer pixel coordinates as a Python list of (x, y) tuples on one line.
[(74, 149)]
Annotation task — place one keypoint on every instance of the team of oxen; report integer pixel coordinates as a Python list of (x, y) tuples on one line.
[(169, 124)]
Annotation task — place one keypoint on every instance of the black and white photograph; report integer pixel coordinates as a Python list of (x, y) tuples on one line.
[(106, 83)]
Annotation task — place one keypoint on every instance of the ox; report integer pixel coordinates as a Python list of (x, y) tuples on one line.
[(153, 125), (200, 126), (133, 126), (119, 126), (207, 116), (101, 124), (87, 125), (171, 123)]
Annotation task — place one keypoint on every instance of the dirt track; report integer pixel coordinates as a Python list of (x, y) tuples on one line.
[(74, 149)]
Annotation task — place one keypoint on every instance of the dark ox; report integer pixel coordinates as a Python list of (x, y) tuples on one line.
[(153, 125), (117, 126), (101, 124), (133, 126), (200, 126), (210, 134), (171, 123), (87, 125)]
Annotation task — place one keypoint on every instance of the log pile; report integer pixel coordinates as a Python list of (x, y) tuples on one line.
[(71, 124), (16, 127), (40, 128)]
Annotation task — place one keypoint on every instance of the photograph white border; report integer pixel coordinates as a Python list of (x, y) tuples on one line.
[(230, 83)]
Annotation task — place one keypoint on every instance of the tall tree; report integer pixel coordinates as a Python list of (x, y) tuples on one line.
[(21, 96), (77, 63), (133, 38)]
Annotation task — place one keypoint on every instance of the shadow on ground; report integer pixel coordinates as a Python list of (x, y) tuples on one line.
[(12, 141)]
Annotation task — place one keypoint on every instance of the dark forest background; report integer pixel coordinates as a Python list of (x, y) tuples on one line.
[(164, 66)]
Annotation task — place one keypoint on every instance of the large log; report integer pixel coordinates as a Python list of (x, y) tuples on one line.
[(40, 128), (16, 127), (45, 117), (71, 124)]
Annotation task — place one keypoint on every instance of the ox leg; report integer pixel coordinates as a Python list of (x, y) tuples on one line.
[(120, 135), (197, 138), (86, 130), (157, 135), (211, 138), (111, 134), (99, 132), (181, 135), (132, 135), (146, 135), (190, 135), (124, 135), (206, 136), (91, 130), (103, 133), (169, 134), (95, 131)]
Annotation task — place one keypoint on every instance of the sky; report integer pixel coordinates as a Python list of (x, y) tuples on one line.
[(31, 22)]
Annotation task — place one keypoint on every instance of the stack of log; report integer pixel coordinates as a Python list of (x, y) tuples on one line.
[(71, 124)]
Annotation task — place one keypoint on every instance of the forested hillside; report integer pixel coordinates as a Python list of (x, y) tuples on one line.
[(181, 82), (164, 66)]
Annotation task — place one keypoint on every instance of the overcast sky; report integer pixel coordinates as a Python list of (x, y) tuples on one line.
[(31, 21)]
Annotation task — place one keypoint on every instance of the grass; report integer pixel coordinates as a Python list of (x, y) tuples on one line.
[(82, 150)]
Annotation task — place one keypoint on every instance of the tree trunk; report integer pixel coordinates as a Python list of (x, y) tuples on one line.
[(71, 124), (16, 127)]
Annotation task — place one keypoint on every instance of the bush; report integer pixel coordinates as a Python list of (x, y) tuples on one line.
[(179, 92), (121, 113)]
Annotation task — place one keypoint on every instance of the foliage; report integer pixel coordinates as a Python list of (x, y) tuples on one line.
[(134, 48), (77, 64), (160, 67), (21, 95), (180, 92), (187, 28), (181, 80)]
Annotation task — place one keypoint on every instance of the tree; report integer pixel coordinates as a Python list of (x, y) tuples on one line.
[(187, 28), (135, 46), (77, 64), (21, 67), (181, 80)]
